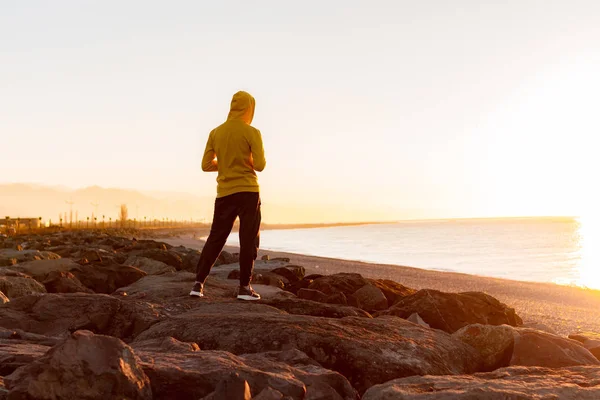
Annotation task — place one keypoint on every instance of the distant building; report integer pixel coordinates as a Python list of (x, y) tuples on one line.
[(20, 223)]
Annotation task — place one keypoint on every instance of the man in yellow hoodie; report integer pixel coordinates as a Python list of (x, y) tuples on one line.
[(234, 150)]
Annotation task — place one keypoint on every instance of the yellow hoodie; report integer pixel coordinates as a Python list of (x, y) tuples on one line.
[(235, 149)]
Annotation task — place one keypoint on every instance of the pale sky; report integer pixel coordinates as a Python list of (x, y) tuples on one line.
[(386, 109)]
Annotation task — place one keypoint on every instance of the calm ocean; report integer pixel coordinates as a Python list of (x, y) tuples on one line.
[(531, 249)]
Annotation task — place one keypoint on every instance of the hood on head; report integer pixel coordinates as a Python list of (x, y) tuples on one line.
[(242, 107)]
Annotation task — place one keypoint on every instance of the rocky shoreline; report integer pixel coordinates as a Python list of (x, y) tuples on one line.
[(94, 316)]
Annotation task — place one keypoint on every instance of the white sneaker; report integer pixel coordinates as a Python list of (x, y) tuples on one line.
[(197, 290), (247, 293)]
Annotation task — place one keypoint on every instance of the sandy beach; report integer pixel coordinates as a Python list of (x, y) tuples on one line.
[(565, 309)]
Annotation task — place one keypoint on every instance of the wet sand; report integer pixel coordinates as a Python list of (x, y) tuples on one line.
[(566, 309)]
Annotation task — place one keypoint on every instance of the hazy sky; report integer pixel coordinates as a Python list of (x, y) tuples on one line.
[(377, 109)]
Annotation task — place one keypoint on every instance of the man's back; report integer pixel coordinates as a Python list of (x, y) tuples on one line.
[(235, 149)]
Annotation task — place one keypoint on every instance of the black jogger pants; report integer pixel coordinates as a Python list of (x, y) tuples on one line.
[(245, 205)]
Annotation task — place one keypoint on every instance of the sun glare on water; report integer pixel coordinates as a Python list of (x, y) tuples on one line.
[(589, 262)]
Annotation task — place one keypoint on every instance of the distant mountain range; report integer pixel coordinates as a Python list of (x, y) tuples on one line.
[(52, 202), (30, 200)]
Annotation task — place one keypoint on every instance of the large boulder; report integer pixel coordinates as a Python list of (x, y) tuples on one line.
[(226, 258), (84, 366), (231, 387), (16, 284), (148, 244), (502, 346), (589, 340), (165, 345), (304, 283), (293, 273), (27, 337), (26, 255), (40, 269), (366, 351), (495, 344), (4, 392), (262, 277), (536, 348), (190, 261), (107, 278), (371, 298), (518, 383), (452, 311), (172, 290), (59, 314), (149, 266), (344, 283), (64, 282), (170, 258), (392, 290), (312, 294), (16, 353), (306, 307), (198, 374)]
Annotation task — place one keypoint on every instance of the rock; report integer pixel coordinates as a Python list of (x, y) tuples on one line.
[(583, 337), (84, 366), (590, 341), (371, 298), (416, 319), (149, 266), (172, 290), (366, 351), (393, 291), (92, 256), (261, 277), (265, 257), (58, 314), (303, 284), (170, 258), (64, 282), (536, 348), (40, 269), (15, 284), (320, 383), (227, 258), (311, 294), (166, 345), (495, 344), (539, 327), (20, 336), (17, 353), (198, 374), (269, 393), (26, 255), (233, 387), (107, 279), (502, 346), (339, 283), (3, 298), (191, 260), (152, 244), (338, 298), (306, 307), (3, 391), (452, 311), (522, 383), (293, 273), (7, 262)]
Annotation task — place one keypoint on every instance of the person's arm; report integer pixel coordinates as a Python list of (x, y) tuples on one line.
[(209, 160), (257, 152)]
